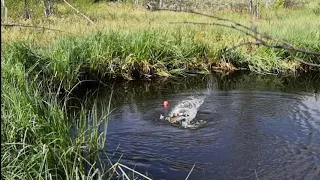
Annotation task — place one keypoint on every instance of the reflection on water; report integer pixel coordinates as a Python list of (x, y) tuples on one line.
[(262, 126)]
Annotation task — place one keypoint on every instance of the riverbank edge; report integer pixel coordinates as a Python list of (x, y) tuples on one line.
[(109, 56)]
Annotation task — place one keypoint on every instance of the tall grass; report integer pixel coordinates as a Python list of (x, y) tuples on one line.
[(40, 139), (35, 131), (109, 53)]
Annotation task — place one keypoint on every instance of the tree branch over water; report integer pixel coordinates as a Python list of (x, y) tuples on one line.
[(261, 38)]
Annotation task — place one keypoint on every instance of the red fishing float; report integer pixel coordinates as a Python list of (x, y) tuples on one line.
[(165, 104)]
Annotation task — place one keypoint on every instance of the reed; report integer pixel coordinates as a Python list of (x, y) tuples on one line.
[(35, 131)]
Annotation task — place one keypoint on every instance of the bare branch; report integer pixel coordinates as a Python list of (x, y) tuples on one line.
[(307, 63), (216, 24), (36, 27), (261, 39), (259, 43), (242, 44), (79, 12)]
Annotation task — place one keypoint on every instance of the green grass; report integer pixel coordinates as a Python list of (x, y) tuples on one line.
[(125, 42), (128, 25), (110, 53), (35, 131)]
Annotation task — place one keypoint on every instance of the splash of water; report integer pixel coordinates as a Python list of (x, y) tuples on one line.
[(185, 112)]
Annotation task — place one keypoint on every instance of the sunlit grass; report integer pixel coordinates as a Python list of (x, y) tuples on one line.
[(126, 41), (290, 25)]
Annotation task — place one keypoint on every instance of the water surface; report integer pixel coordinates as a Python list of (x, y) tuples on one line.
[(263, 127)]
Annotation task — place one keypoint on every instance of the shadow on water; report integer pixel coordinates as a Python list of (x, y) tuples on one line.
[(258, 126)]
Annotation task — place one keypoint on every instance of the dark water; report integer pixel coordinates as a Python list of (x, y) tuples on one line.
[(259, 127)]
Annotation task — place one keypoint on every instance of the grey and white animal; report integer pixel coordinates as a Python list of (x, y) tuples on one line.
[(185, 111)]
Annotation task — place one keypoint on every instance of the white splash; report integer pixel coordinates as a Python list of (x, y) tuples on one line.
[(185, 111)]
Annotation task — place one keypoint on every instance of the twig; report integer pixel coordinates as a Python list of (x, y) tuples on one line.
[(79, 12), (307, 63), (36, 27), (190, 171)]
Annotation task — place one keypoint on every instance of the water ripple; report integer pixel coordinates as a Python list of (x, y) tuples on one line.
[(275, 135)]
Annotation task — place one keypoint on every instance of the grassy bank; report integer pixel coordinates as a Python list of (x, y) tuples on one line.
[(142, 39), (35, 131), (124, 42)]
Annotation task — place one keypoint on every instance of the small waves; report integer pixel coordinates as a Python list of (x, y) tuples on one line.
[(273, 135)]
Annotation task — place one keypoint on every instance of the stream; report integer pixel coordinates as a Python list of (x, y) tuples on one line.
[(258, 127)]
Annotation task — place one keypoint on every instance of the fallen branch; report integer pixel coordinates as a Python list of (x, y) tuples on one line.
[(307, 63), (234, 24), (259, 43), (259, 37), (36, 27), (79, 12)]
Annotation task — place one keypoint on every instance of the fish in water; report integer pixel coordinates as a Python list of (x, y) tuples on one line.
[(185, 111)]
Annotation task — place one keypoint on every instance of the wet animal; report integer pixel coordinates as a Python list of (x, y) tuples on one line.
[(185, 112)]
